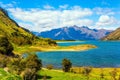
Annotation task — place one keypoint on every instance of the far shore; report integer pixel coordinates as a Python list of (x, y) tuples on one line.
[(27, 49)]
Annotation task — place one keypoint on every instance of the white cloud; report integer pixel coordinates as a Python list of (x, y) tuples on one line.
[(104, 19), (9, 5), (103, 11), (48, 17), (44, 19), (63, 6), (106, 22), (48, 7)]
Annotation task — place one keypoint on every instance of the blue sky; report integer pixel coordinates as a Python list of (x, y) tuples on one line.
[(42, 15)]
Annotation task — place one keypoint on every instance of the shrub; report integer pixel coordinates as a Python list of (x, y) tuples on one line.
[(32, 61), (26, 67), (102, 74), (49, 66), (86, 71), (32, 66), (30, 74), (4, 60), (5, 46), (66, 65)]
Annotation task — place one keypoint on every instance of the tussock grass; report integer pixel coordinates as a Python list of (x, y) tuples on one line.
[(77, 75), (8, 76)]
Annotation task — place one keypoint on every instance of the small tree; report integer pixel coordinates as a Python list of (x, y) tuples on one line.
[(66, 65), (86, 71), (102, 74), (32, 66), (33, 61), (49, 66), (5, 46)]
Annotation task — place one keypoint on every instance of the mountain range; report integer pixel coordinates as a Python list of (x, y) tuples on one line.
[(74, 33)]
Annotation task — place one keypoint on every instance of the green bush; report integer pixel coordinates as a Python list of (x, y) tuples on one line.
[(86, 71), (32, 61), (49, 66), (26, 67), (5, 46), (4, 60), (66, 65)]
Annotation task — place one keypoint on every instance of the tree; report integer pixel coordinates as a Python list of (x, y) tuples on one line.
[(30, 74), (5, 46), (86, 71), (32, 66), (32, 61), (102, 74), (49, 66), (66, 65), (27, 67)]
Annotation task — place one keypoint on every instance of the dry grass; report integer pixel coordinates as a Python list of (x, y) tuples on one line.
[(78, 75)]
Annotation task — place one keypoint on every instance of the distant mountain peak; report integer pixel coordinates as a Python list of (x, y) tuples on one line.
[(74, 26), (74, 33), (85, 27)]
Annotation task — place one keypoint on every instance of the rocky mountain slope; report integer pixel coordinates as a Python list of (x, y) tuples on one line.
[(115, 35), (74, 33)]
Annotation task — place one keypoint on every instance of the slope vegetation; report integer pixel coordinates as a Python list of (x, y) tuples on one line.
[(115, 35), (13, 31)]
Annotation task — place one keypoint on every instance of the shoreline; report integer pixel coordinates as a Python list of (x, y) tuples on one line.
[(68, 41), (27, 49)]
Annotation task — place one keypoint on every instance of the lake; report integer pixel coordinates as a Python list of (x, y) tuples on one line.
[(106, 55)]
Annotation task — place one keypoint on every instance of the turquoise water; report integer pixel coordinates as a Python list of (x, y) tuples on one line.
[(106, 55)]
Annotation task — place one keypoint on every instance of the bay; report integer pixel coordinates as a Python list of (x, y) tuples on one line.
[(107, 54)]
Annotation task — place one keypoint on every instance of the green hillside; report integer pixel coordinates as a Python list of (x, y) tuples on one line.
[(15, 40), (115, 35), (8, 76), (95, 74), (15, 33)]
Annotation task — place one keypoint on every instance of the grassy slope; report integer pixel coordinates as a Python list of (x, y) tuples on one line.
[(21, 38), (10, 29), (115, 35), (95, 74), (60, 75), (56, 75), (8, 76)]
